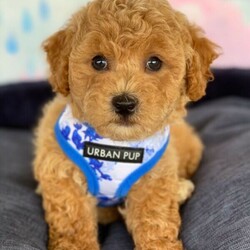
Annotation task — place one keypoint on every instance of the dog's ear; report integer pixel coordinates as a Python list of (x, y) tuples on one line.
[(58, 48), (202, 53)]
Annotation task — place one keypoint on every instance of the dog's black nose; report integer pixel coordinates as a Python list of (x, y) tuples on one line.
[(124, 104)]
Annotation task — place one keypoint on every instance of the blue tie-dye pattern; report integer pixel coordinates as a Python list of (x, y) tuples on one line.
[(66, 132), (44, 10), (96, 165), (76, 138), (27, 24), (104, 172), (78, 126), (12, 45), (91, 134), (150, 151)]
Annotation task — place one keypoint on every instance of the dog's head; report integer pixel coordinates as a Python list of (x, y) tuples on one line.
[(129, 66)]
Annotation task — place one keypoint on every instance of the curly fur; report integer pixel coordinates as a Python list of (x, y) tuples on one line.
[(127, 32)]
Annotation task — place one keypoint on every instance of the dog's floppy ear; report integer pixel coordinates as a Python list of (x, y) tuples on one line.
[(58, 48), (202, 54)]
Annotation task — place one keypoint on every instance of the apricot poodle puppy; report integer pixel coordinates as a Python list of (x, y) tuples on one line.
[(113, 143)]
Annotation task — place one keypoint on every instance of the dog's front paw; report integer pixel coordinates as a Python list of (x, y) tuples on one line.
[(186, 188), (63, 244), (161, 245)]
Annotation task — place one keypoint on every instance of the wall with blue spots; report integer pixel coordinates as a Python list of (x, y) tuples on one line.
[(24, 24)]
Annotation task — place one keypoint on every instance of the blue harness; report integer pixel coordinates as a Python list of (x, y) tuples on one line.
[(110, 167)]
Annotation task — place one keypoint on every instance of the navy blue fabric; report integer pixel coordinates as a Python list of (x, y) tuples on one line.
[(20, 103), (228, 82)]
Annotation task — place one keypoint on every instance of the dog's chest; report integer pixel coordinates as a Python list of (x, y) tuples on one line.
[(110, 167)]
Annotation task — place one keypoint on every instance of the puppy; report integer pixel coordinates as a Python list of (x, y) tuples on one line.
[(113, 141)]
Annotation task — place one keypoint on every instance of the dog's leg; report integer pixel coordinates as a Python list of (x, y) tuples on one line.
[(152, 209), (185, 190), (71, 215), (70, 211), (189, 148)]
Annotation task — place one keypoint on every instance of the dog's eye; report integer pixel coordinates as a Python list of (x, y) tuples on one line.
[(154, 63), (100, 63)]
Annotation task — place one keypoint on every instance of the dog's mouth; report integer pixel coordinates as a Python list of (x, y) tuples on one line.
[(125, 122)]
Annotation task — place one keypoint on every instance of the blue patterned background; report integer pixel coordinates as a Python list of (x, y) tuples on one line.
[(24, 24)]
